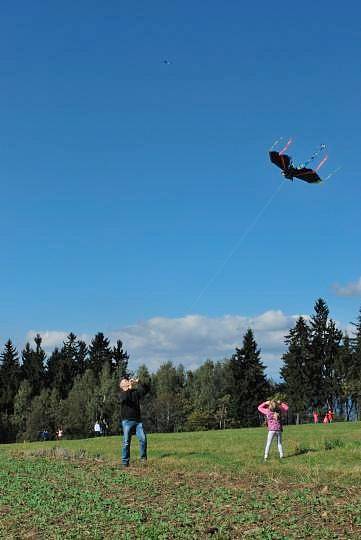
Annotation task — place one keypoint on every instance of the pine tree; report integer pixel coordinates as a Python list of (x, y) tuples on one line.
[(53, 372), (355, 370), (10, 377), (120, 360), (318, 346), (60, 372), (82, 362), (324, 348), (249, 382), (332, 363), (33, 365), (99, 353), (344, 378), (296, 367)]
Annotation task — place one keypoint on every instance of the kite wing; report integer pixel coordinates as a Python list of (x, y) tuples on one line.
[(281, 160), (308, 175)]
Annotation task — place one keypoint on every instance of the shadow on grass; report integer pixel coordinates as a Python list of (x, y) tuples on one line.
[(181, 454), (302, 450)]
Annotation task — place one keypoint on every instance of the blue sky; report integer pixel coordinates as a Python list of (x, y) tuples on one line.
[(127, 182)]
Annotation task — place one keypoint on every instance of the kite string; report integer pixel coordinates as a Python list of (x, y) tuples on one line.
[(321, 163), (332, 173), (237, 244), (275, 143), (314, 155), (289, 142)]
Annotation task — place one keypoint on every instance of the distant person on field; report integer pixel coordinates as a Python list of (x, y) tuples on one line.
[(325, 419), (97, 429), (131, 392), (315, 417), (104, 427), (44, 435), (59, 434), (330, 415), (272, 410)]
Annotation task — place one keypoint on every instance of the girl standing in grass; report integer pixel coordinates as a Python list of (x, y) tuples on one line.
[(272, 410)]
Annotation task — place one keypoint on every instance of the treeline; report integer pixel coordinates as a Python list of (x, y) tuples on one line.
[(78, 383)]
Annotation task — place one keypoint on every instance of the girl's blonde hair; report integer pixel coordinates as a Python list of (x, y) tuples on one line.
[(274, 405)]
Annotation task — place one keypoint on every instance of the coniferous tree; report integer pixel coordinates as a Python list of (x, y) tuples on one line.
[(120, 360), (10, 377), (70, 357), (249, 386), (344, 378), (33, 365), (99, 353), (324, 348), (82, 362), (355, 372), (53, 372), (332, 364), (296, 367)]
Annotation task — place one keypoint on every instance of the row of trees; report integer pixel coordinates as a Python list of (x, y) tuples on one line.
[(78, 384)]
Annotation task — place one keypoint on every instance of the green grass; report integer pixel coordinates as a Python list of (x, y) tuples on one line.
[(195, 485)]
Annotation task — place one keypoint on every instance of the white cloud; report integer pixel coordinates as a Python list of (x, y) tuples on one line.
[(51, 338), (192, 339), (351, 289)]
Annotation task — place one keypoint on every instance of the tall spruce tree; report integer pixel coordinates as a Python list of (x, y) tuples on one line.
[(249, 382), (295, 368), (53, 375), (324, 348), (120, 359), (10, 377), (344, 378), (60, 372), (82, 362), (33, 365), (355, 371), (332, 364), (99, 353)]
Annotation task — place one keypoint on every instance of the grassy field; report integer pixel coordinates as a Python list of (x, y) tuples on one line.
[(195, 485)]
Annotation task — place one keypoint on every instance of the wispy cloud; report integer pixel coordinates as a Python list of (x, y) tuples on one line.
[(192, 339), (53, 338), (351, 289)]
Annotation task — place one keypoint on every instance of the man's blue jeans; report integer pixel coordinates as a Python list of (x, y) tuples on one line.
[(129, 426)]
